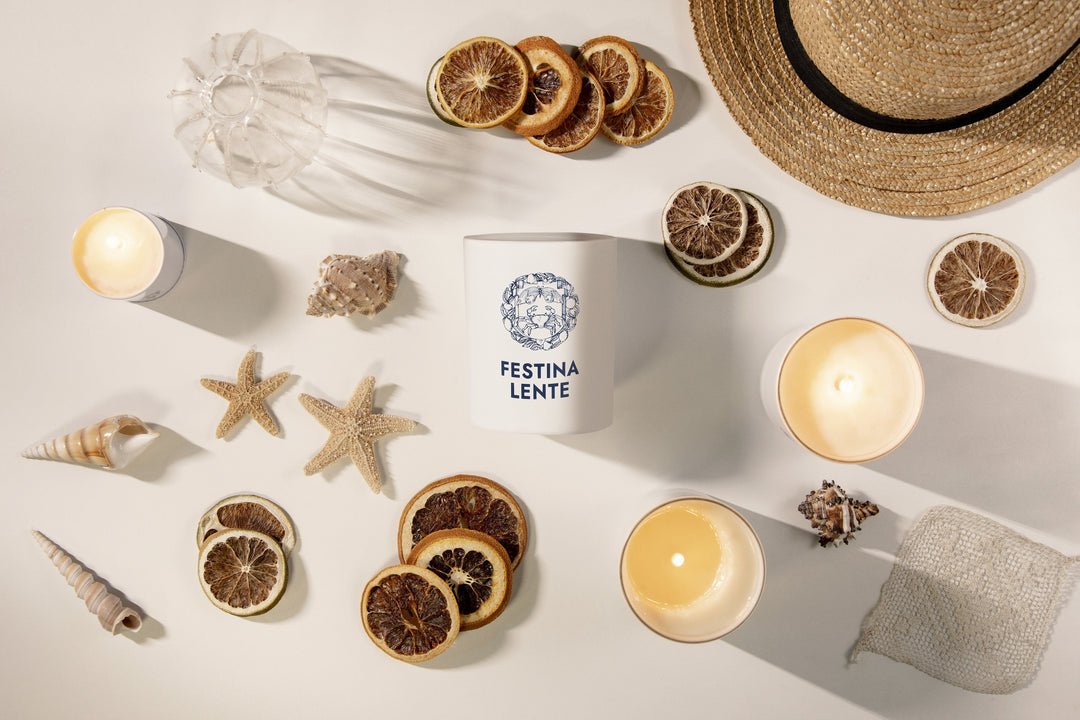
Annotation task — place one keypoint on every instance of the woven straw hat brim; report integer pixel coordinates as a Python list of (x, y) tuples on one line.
[(932, 174)]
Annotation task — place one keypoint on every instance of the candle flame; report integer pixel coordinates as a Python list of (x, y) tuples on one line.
[(845, 384), (678, 559)]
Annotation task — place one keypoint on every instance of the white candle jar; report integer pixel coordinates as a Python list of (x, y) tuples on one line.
[(849, 389), (540, 326), (125, 254), (693, 568)]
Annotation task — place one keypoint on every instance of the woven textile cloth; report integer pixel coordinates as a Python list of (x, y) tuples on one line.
[(969, 601)]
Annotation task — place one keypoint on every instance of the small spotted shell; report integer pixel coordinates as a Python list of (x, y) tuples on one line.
[(349, 283), (834, 515)]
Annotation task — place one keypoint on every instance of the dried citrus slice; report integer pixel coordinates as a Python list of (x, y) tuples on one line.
[(746, 261), (582, 125), (648, 113), (433, 96), (464, 501), (248, 512), (976, 280), (482, 82), (242, 571), (618, 67), (476, 568), (554, 85), (410, 613), (704, 222)]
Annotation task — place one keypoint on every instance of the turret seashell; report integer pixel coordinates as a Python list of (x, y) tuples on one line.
[(834, 515), (349, 283), (110, 609), (111, 443)]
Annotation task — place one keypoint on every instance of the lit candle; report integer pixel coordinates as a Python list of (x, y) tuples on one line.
[(692, 569), (850, 389), (125, 254)]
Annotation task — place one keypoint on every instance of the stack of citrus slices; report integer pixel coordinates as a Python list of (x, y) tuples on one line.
[(459, 541), (560, 103), (244, 543), (716, 236)]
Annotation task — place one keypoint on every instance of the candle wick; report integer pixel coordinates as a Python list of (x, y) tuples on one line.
[(678, 559), (845, 384)]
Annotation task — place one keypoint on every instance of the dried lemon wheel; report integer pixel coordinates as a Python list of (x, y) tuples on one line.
[(433, 96), (242, 571), (410, 613), (248, 512), (464, 501), (554, 85), (582, 125), (648, 113), (618, 67), (976, 280), (752, 254), (482, 82), (704, 222), (476, 568)]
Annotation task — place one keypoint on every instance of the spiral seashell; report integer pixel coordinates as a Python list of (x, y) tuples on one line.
[(834, 515), (109, 608), (111, 443), (349, 283)]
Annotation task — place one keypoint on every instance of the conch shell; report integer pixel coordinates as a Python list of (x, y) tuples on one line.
[(111, 443), (349, 283), (834, 515), (110, 609)]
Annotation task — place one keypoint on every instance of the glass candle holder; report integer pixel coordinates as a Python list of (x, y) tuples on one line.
[(126, 254), (849, 389), (692, 569)]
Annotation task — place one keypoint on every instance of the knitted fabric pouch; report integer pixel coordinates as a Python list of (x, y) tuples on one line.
[(969, 601)]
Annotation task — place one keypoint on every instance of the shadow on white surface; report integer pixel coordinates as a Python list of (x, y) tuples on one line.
[(226, 289), (296, 593), (385, 155), (686, 91), (165, 452), (983, 432)]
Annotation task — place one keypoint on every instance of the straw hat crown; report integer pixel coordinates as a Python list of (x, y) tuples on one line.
[(933, 59)]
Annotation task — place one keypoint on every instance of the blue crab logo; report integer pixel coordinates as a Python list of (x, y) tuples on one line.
[(539, 310)]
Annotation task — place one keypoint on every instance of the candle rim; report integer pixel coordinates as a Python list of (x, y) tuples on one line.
[(79, 269), (759, 590), (914, 420)]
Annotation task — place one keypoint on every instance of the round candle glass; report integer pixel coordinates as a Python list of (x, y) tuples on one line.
[(849, 389), (692, 569), (125, 254)]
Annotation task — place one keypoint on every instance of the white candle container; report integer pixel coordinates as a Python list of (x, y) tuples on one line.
[(849, 389), (540, 326), (734, 576), (125, 254)]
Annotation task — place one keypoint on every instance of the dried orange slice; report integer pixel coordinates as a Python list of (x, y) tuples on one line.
[(482, 82), (554, 85), (433, 96), (248, 512), (582, 125), (976, 280), (648, 113), (476, 568), (704, 222), (752, 254), (242, 571), (410, 613), (464, 501), (616, 64)]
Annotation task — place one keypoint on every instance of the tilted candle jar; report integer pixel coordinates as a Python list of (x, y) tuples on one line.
[(126, 254), (849, 389), (692, 569)]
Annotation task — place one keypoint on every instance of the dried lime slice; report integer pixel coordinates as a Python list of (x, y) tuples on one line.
[(433, 96), (248, 512), (704, 222), (410, 613), (582, 125), (616, 64), (242, 571), (976, 280), (647, 114), (752, 254), (482, 82)]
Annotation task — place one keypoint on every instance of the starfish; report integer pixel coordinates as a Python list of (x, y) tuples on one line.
[(246, 396), (353, 431)]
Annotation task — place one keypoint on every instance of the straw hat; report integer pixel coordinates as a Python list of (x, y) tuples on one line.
[(923, 107)]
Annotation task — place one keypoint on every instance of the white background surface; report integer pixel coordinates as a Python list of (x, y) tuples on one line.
[(86, 124)]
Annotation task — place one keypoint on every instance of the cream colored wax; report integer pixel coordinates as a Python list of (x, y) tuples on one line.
[(850, 390), (117, 252), (692, 569)]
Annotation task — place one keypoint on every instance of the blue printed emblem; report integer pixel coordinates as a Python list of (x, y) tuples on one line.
[(539, 310)]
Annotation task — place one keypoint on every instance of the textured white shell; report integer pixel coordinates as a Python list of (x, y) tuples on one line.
[(349, 283), (110, 609), (111, 443)]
